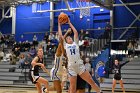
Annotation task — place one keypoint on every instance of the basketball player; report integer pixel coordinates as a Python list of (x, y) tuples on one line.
[(36, 64), (117, 74), (75, 63), (56, 71)]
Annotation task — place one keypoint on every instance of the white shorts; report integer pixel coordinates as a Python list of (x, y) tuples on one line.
[(54, 74), (76, 68)]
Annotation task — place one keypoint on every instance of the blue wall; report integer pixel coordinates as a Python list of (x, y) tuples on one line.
[(27, 22), (123, 18), (6, 25), (97, 18), (31, 22)]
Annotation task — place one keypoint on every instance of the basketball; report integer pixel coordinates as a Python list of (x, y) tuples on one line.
[(63, 18)]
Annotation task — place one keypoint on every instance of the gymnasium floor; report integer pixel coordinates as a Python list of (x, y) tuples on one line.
[(32, 90)]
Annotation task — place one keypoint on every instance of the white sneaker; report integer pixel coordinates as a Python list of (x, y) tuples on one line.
[(44, 90)]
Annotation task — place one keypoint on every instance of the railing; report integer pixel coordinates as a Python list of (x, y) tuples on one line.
[(95, 46)]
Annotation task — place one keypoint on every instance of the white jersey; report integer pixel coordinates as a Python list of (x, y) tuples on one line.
[(72, 51)]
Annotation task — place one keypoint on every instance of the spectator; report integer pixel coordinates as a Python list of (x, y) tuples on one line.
[(46, 37), (81, 43), (130, 48), (81, 35), (107, 33), (22, 38), (86, 35), (2, 42), (89, 68), (27, 45), (35, 42), (51, 37), (16, 45), (1, 55), (28, 60), (32, 51), (49, 48), (21, 60), (57, 36), (16, 52)]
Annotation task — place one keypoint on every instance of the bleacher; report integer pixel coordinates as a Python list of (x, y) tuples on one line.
[(19, 77)]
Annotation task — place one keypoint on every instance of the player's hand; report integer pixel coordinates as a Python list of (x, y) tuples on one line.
[(69, 21), (59, 24), (69, 31), (42, 65)]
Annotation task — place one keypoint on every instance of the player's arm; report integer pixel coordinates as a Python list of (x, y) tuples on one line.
[(44, 69), (34, 62), (73, 29), (60, 32), (124, 63)]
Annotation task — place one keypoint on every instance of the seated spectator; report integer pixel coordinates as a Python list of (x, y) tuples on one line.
[(27, 61), (16, 52), (8, 54), (49, 48), (27, 45), (16, 45), (12, 59), (1, 55), (57, 36), (51, 37), (21, 61), (32, 51)]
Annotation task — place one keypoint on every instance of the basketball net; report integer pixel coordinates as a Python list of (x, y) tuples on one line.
[(84, 6)]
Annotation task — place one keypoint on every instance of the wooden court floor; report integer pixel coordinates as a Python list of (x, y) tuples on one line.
[(33, 90)]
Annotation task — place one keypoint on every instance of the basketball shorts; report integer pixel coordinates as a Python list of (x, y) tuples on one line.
[(33, 77), (55, 74), (76, 68)]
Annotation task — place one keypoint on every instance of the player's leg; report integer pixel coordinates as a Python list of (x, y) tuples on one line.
[(113, 85), (45, 82), (57, 86), (87, 77), (80, 91), (122, 86), (58, 50), (81, 85), (72, 80), (38, 86)]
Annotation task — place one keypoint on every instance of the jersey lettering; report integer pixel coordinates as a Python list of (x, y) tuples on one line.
[(72, 51)]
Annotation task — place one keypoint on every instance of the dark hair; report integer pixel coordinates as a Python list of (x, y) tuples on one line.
[(66, 37)]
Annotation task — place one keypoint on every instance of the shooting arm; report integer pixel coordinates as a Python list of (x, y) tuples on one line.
[(74, 30)]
